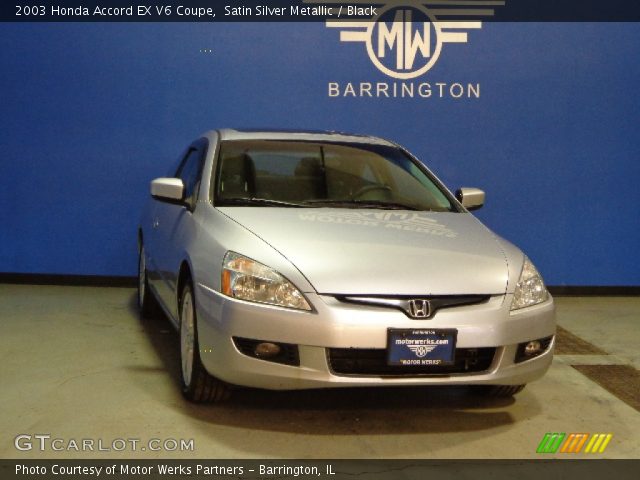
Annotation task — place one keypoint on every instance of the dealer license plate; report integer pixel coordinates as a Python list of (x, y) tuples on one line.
[(420, 347)]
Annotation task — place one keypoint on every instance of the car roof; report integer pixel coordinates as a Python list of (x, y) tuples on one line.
[(300, 135)]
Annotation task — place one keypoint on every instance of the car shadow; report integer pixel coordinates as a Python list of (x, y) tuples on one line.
[(334, 412)]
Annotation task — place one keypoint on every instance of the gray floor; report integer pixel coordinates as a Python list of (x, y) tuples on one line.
[(78, 363)]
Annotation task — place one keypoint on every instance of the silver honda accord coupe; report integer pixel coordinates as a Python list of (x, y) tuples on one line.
[(294, 260)]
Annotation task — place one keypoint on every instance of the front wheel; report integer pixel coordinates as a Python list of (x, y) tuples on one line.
[(197, 385)]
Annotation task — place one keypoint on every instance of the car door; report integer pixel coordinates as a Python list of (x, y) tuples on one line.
[(174, 226), (150, 228)]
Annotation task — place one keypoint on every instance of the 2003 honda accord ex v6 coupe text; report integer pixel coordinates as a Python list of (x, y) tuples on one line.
[(291, 260)]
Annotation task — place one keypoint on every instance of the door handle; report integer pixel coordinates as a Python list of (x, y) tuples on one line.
[(156, 223)]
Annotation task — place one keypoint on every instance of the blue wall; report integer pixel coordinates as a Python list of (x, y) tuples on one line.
[(92, 112)]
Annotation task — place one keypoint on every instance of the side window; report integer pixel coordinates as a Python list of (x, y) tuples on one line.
[(190, 171)]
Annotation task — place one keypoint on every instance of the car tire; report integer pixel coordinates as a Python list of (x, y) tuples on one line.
[(501, 391), (197, 385), (146, 301)]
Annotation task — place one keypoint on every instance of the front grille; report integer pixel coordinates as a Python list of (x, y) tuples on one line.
[(373, 361), (403, 302)]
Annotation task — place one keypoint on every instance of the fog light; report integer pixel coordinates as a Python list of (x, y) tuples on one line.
[(532, 348), (285, 353), (267, 350)]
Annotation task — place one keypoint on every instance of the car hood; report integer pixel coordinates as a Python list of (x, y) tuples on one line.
[(382, 252)]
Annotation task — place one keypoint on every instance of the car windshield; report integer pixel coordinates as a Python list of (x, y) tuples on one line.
[(317, 174)]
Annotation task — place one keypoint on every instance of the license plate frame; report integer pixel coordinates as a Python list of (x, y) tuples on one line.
[(430, 349)]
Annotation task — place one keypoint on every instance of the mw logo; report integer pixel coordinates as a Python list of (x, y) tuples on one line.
[(406, 41)]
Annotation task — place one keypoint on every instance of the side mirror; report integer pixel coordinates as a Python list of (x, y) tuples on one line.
[(470, 198), (168, 189)]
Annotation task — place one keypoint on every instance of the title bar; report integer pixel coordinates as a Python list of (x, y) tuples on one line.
[(314, 10)]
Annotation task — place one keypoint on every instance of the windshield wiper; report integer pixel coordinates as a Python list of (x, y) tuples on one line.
[(380, 204), (259, 202), (267, 202)]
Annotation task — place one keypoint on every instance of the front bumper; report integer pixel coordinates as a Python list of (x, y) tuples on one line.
[(339, 325)]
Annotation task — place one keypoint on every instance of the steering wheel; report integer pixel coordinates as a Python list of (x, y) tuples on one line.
[(370, 188)]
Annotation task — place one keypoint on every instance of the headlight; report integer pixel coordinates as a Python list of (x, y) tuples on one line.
[(249, 280), (530, 289)]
